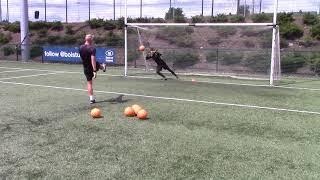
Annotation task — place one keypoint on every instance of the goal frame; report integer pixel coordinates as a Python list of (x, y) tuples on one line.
[(275, 65)]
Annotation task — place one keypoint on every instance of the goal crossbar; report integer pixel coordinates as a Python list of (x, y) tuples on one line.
[(199, 24)]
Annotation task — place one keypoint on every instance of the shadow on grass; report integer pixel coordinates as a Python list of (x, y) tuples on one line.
[(116, 100)]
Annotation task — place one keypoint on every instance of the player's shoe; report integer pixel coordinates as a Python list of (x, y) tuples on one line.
[(92, 101), (104, 67)]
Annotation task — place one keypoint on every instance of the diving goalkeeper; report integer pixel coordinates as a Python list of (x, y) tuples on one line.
[(156, 56)]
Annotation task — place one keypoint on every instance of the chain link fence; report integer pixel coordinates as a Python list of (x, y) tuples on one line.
[(255, 63), (240, 62), (80, 11)]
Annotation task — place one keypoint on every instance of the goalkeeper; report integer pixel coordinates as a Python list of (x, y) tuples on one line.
[(156, 56)]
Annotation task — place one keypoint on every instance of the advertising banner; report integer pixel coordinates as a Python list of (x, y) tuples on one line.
[(71, 54)]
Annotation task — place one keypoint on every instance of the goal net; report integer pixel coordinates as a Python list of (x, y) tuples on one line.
[(198, 47), (224, 51)]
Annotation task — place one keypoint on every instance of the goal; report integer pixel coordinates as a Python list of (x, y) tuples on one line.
[(246, 51)]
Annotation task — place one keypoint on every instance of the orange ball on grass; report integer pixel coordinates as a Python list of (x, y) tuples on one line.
[(136, 108), (96, 113), (129, 112), (142, 114)]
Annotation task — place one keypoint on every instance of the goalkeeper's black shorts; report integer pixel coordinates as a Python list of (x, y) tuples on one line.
[(162, 66)]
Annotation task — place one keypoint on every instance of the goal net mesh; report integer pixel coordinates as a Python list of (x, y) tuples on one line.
[(239, 52)]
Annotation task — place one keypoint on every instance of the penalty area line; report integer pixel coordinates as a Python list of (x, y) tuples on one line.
[(171, 98)]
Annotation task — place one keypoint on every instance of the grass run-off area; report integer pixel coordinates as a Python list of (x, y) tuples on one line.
[(195, 130)]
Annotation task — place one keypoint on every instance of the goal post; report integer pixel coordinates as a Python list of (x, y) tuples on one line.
[(125, 39), (275, 71), (274, 61)]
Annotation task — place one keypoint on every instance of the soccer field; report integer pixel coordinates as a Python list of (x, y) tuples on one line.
[(210, 128)]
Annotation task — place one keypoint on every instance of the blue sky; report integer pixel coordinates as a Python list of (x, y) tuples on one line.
[(78, 9)]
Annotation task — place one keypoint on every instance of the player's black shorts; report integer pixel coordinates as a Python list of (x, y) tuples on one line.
[(88, 71), (162, 66)]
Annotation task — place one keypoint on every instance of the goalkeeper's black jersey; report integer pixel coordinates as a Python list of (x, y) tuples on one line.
[(156, 56)]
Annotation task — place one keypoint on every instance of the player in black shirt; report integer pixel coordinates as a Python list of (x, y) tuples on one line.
[(90, 65), (156, 56)]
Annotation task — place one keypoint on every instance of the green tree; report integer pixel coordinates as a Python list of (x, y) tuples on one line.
[(175, 14), (315, 31), (310, 19), (291, 31), (261, 18), (285, 18)]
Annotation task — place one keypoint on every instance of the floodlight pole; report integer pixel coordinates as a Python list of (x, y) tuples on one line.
[(171, 9), (253, 6), (25, 50), (173, 13), (238, 7), (140, 8), (45, 10), (89, 10), (245, 8), (260, 6), (0, 12), (275, 42), (8, 10), (125, 39), (202, 8), (212, 4), (66, 11), (114, 10)]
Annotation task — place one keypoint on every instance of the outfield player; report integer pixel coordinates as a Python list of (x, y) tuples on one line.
[(90, 65)]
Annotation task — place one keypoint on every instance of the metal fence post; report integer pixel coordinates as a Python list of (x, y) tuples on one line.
[(135, 63), (17, 53), (217, 62), (42, 55)]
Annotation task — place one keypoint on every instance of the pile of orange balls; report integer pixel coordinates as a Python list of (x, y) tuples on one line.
[(136, 110)]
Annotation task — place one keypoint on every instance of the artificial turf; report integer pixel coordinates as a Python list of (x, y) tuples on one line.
[(48, 133)]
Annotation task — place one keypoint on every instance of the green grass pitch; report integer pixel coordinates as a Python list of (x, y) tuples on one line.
[(46, 131)]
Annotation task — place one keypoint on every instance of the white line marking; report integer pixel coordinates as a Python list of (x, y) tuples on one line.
[(209, 82), (3, 67), (223, 83), (14, 71), (170, 98), (34, 75)]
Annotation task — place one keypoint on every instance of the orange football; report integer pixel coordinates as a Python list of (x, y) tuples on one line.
[(142, 114), (96, 113), (129, 112), (136, 108), (141, 48)]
